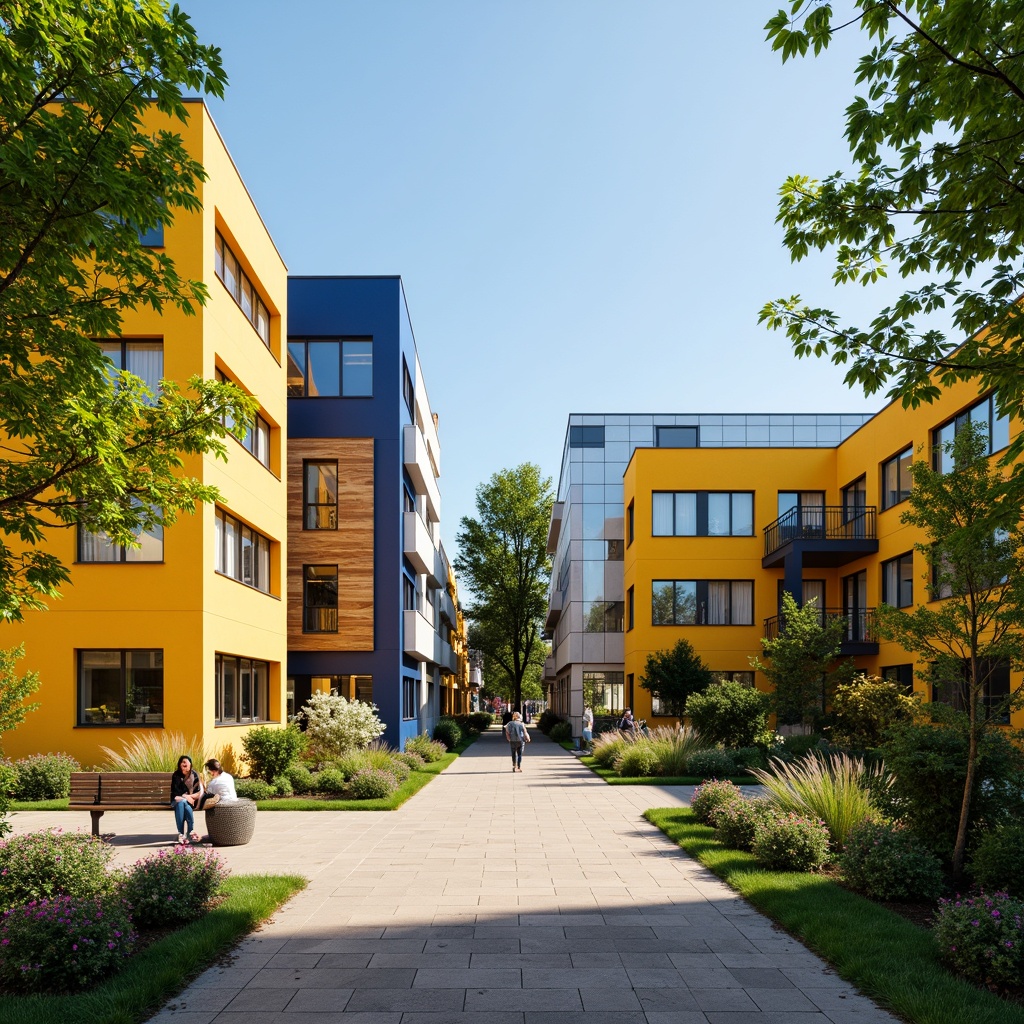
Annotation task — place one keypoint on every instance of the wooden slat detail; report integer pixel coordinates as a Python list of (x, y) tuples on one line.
[(350, 547)]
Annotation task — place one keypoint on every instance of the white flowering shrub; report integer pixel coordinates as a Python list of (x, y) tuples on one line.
[(335, 726)]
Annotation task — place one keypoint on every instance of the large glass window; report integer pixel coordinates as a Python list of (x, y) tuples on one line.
[(901, 674), (984, 413), (256, 440), (330, 368), (145, 359), (409, 688), (98, 547), (744, 677), (242, 290), (676, 437), (321, 498), (702, 513), (898, 581), (242, 553), (896, 480), (121, 687), (320, 599), (603, 692), (241, 690), (702, 603)]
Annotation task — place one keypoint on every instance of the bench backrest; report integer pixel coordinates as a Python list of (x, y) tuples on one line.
[(139, 788), (85, 787)]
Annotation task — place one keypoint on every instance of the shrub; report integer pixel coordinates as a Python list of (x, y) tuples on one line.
[(335, 725), (430, 750), (331, 782), (791, 842), (254, 789), (301, 779), (172, 887), (447, 731), (998, 860), (674, 747), (833, 787), (608, 746), (8, 782), (865, 708), (271, 752), (637, 760), (350, 764), (800, 745), (45, 776), (928, 764), (42, 865), (481, 720), (748, 758), (560, 732), (887, 862), (63, 944), (411, 759), (737, 821), (547, 719), (982, 939), (373, 784), (710, 795), (282, 786), (711, 763), (154, 751), (380, 755), (729, 713)]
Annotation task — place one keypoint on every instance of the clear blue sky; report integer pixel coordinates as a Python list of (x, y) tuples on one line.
[(580, 196)]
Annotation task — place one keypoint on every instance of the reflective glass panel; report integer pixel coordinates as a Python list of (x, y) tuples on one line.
[(323, 371)]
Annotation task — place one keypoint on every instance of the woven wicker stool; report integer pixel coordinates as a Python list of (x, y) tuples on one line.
[(231, 824)]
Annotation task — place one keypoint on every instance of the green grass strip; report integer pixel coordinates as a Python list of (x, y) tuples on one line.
[(165, 968), (889, 959), (614, 779), (41, 805)]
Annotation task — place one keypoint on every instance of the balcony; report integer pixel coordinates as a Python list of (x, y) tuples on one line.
[(858, 639), (557, 511), (821, 536), (554, 610), (419, 548), (418, 466), (419, 636), (445, 657)]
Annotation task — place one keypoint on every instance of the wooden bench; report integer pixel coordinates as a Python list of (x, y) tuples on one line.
[(97, 792)]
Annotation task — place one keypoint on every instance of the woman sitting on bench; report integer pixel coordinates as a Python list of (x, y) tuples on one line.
[(186, 792)]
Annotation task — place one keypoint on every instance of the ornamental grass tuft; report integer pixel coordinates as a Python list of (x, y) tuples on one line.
[(675, 747), (155, 751)]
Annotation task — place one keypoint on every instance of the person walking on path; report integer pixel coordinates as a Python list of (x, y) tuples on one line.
[(518, 737)]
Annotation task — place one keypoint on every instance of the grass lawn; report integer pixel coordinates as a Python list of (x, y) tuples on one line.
[(164, 968), (613, 779), (889, 959)]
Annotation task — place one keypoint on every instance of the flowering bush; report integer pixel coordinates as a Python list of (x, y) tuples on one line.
[(737, 821), (711, 795), (791, 842), (62, 944), (372, 784), (887, 862), (710, 763), (637, 760), (335, 725), (41, 865), (982, 939), (412, 759), (171, 887), (45, 776), (430, 750)]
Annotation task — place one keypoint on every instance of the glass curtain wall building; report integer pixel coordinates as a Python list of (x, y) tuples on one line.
[(589, 529)]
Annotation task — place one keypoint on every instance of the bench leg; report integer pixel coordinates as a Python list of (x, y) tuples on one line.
[(96, 815)]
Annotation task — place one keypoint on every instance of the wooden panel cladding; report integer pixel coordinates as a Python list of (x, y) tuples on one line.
[(350, 546)]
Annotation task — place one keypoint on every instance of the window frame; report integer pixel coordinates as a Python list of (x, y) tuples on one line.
[(122, 721), (254, 699), (410, 710), (221, 562), (122, 550), (258, 306), (896, 564), (340, 341), (702, 514), (701, 590), (902, 492), (939, 455), (307, 606), (307, 504)]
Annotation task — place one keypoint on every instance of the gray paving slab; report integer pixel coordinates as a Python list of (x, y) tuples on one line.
[(495, 897)]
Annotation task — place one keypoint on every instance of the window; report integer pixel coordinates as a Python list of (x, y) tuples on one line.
[(898, 581), (896, 480), (409, 687), (603, 692), (901, 674), (983, 413), (408, 391), (586, 437), (320, 599), (242, 289), (242, 553), (241, 689), (257, 433), (615, 551), (630, 524), (676, 437), (330, 368), (994, 676), (120, 687), (409, 602), (744, 678), (321, 495), (98, 547), (703, 513), (630, 608), (145, 359), (702, 603), (603, 616)]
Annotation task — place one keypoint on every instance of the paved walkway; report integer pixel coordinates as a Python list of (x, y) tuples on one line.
[(498, 898)]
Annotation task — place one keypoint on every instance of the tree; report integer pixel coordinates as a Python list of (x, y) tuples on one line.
[(503, 559), (974, 548), (15, 690), (935, 191), (498, 683), (80, 178), (730, 713), (674, 674), (800, 662)]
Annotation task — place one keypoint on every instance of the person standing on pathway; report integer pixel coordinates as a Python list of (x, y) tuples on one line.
[(518, 737)]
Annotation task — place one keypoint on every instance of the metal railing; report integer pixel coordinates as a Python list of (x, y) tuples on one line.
[(860, 625), (820, 522)]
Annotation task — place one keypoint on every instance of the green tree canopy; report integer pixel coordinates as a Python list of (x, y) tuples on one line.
[(674, 674), (503, 560), (80, 178), (974, 549), (935, 191)]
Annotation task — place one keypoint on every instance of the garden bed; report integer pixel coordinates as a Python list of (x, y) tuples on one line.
[(614, 779)]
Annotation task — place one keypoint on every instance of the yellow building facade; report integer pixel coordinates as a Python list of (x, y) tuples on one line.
[(187, 633), (714, 534)]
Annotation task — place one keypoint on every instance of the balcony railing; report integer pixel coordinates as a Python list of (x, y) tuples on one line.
[(820, 522), (860, 625)]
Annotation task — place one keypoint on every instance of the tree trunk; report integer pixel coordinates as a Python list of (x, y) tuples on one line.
[(960, 847)]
